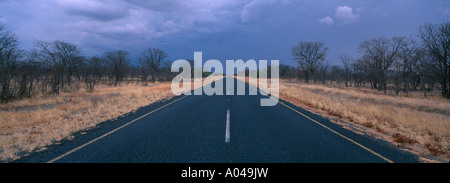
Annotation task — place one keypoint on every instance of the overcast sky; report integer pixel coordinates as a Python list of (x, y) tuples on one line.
[(251, 29)]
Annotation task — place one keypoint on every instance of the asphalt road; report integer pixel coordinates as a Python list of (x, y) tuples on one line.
[(220, 129)]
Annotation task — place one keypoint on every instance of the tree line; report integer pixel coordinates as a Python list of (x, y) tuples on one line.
[(401, 64), (50, 67)]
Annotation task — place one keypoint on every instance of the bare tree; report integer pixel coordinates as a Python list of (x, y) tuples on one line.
[(336, 73), (92, 72), (98, 66), (165, 71), (28, 71), (151, 60), (118, 63), (63, 60), (308, 55), (346, 61), (380, 54), (323, 71), (9, 56), (358, 68), (421, 65), (399, 72), (71, 57), (436, 41), (54, 67), (287, 71)]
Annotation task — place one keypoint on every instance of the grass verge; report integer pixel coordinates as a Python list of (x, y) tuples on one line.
[(419, 125), (32, 124)]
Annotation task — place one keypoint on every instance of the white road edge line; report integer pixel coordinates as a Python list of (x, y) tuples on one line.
[(110, 132), (227, 128)]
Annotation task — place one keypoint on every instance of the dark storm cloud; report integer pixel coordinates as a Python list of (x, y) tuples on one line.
[(96, 10), (95, 14), (163, 6), (223, 29)]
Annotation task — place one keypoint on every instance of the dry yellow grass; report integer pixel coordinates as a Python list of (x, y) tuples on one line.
[(32, 124), (417, 124)]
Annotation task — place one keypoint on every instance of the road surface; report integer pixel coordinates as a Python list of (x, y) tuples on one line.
[(220, 129)]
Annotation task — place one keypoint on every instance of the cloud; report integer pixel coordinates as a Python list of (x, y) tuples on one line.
[(3, 20), (345, 15), (444, 10), (326, 20), (124, 19), (158, 5), (95, 9), (128, 20), (98, 25), (255, 8)]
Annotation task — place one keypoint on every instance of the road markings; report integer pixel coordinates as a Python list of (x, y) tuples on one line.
[(112, 131), (343, 136), (328, 128), (227, 128)]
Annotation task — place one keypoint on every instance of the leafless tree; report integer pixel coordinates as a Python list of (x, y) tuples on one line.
[(118, 63), (151, 60), (9, 56), (29, 69), (380, 54), (55, 68), (323, 72), (92, 72), (308, 55), (166, 74), (63, 59), (346, 61), (421, 65), (71, 57), (436, 41), (287, 71), (336, 74)]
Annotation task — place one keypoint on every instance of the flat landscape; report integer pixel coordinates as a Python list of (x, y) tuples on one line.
[(179, 130), (224, 82), (30, 125), (411, 122)]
